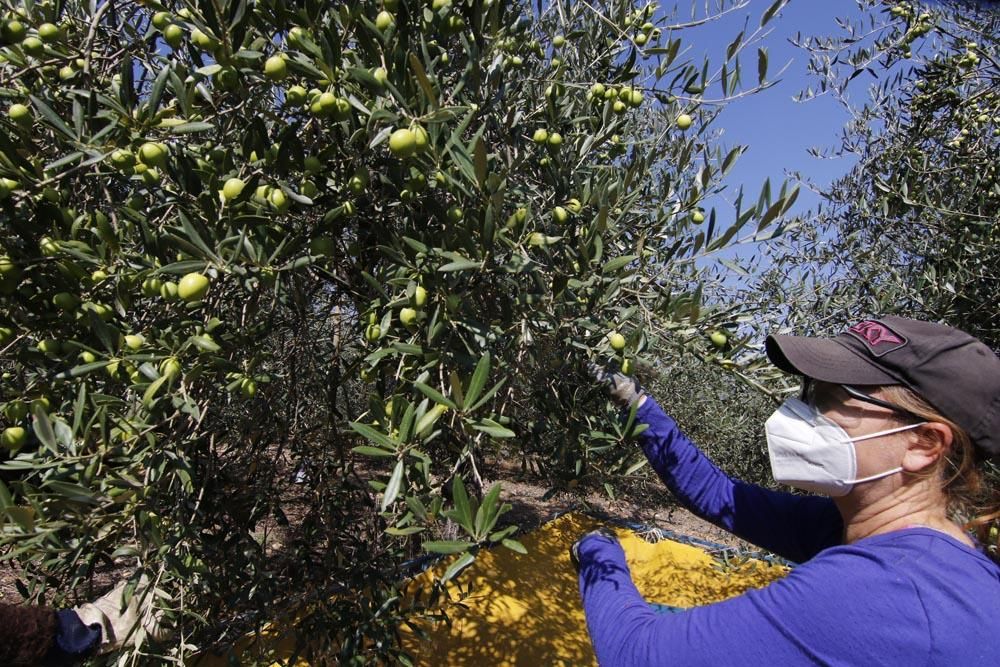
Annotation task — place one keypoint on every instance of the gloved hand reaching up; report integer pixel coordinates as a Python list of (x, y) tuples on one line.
[(623, 389)]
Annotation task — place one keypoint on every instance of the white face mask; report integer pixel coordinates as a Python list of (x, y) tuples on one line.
[(813, 453)]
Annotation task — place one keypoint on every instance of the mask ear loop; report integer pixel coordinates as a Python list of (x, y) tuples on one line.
[(890, 431), (891, 471), (872, 478)]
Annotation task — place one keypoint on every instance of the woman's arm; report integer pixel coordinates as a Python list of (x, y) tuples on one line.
[(792, 526), (841, 608)]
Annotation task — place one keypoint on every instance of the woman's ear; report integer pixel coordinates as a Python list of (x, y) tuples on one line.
[(929, 444)]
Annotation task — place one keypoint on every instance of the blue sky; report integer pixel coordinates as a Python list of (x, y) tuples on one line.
[(778, 130)]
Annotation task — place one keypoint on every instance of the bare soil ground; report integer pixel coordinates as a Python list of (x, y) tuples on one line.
[(533, 502)]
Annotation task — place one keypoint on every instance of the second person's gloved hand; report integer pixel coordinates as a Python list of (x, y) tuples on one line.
[(623, 389), (120, 623)]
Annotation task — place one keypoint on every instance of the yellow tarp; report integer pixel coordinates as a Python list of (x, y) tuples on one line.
[(524, 609)]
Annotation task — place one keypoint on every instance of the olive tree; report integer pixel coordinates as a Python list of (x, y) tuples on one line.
[(364, 246), (912, 228)]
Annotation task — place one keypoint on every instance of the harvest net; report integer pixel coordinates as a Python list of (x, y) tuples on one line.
[(508, 608)]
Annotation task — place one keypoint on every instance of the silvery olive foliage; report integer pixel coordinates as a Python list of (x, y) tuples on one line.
[(279, 281)]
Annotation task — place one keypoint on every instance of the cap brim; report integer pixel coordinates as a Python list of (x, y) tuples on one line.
[(824, 359)]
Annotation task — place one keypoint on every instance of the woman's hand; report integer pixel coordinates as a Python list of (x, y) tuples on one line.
[(574, 551), (623, 389)]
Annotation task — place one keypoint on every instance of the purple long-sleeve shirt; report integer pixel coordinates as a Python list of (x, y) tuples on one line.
[(909, 597)]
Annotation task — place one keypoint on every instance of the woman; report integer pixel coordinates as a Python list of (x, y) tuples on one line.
[(894, 417)]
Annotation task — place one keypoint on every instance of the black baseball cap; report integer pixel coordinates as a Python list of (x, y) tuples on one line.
[(953, 371)]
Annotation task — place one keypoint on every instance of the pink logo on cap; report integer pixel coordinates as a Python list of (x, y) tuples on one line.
[(879, 338)]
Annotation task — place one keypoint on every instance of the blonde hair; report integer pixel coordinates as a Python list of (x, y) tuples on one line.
[(972, 500)]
